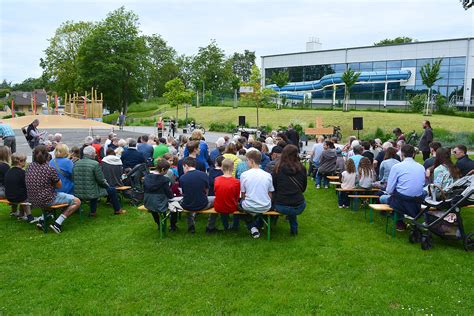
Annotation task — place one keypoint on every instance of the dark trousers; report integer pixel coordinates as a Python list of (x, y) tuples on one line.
[(343, 199), (426, 155), (10, 141), (113, 198)]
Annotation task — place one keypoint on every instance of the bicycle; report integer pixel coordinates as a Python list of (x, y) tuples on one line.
[(413, 139), (193, 127)]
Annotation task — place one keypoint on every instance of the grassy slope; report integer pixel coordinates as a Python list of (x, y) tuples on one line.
[(338, 264), (387, 121)]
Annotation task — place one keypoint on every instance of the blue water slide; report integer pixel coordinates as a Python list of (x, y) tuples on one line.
[(329, 80)]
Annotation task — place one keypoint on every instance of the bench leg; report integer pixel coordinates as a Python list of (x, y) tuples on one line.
[(269, 228), (395, 220), (45, 221)]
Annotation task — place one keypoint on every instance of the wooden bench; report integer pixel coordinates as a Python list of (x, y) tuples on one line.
[(333, 178), (120, 191), (51, 209), (267, 220), (388, 209), (365, 197)]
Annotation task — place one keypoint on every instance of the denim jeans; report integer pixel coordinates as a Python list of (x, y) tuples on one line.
[(343, 199), (319, 176), (113, 198), (292, 212), (384, 199)]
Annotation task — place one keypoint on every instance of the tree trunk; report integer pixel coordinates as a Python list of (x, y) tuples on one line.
[(346, 99), (428, 102), (258, 123), (177, 112)]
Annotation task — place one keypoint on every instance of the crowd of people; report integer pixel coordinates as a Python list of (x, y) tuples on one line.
[(390, 167), (242, 175)]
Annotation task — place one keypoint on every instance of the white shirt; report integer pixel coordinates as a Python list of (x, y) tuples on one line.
[(256, 184)]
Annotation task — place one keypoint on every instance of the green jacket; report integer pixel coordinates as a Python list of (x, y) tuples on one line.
[(89, 181)]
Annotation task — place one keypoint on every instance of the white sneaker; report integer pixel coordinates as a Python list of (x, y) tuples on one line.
[(326, 187), (318, 187), (341, 206), (255, 233)]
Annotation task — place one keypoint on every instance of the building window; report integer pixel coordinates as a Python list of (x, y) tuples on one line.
[(408, 63), (457, 61), (394, 64)]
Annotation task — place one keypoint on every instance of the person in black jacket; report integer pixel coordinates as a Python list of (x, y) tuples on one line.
[(289, 181), (112, 168), (157, 190)]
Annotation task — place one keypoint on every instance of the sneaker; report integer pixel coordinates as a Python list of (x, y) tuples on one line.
[(120, 212), (191, 229), (32, 219), (39, 225), (326, 187), (15, 214), (341, 206), (254, 232), (56, 228), (318, 186), (22, 218), (401, 226)]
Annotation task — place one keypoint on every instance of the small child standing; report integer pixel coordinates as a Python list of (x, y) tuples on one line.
[(366, 174), (348, 180), (227, 193), (15, 188), (157, 190)]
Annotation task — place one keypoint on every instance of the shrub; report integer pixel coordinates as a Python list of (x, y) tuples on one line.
[(417, 103), (222, 127), (16, 114), (182, 122)]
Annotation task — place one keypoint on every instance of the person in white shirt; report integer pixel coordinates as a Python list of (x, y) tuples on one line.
[(256, 188)]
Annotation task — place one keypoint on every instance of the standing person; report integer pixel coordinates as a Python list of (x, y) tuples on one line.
[(256, 186), (289, 181), (327, 164), (33, 135), (172, 127), (41, 183), (425, 140), (121, 120), (8, 136), (159, 127), (316, 156), (90, 183), (63, 166), (463, 163), (293, 136)]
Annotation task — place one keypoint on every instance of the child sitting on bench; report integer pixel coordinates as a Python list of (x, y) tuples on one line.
[(15, 188), (348, 180), (157, 190)]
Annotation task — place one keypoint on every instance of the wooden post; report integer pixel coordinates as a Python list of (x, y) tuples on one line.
[(92, 102), (13, 108), (65, 102), (56, 104), (47, 103), (85, 105), (34, 103)]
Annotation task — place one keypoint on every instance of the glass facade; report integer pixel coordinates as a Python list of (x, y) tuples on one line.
[(451, 72)]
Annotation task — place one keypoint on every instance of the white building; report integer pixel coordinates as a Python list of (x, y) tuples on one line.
[(457, 69)]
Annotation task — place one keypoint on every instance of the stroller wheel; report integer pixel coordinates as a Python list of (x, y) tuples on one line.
[(415, 236), (426, 243), (469, 242)]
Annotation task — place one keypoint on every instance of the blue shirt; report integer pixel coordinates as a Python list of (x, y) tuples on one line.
[(194, 184), (385, 168), (64, 168), (356, 159), (203, 153), (317, 152), (407, 178), (146, 150), (6, 131)]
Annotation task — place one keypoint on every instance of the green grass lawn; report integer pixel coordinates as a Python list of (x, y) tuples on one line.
[(338, 264)]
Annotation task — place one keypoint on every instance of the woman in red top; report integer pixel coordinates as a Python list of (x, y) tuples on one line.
[(227, 195)]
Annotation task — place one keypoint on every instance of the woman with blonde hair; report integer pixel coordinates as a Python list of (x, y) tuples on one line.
[(121, 147), (63, 166), (5, 157)]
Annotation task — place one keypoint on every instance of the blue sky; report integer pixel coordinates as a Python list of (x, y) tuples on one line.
[(267, 27)]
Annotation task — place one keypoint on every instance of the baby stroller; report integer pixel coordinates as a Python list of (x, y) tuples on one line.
[(134, 179), (442, 215)]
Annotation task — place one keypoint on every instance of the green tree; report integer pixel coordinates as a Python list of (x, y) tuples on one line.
[(113, 58), (60, 62), (176, 94), (349, 77), (429, 75), (161, 66), (258, 97), (209, 68), (281, 78), (394, 41), (5, 84), (242, 64), (30, 84)]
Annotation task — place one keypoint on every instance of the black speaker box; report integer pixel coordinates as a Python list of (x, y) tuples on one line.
[(358, 123), (241, 120)]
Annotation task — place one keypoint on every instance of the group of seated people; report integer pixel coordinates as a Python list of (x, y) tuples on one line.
[(390, 167), (241, 174)]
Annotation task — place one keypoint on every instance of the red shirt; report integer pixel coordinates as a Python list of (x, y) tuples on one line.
[(227, 190)]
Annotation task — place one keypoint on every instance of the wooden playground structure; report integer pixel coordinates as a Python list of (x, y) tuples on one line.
[(87, 106)]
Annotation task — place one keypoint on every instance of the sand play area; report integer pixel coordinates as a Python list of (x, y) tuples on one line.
[(55, 121)]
